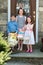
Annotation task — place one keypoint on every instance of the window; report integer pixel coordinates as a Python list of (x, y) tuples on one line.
[(25, 4)]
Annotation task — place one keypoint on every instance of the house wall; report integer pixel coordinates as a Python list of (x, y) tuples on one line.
[(3, 14), (40, 22)]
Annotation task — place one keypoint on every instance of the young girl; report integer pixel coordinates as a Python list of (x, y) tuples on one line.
[(21, 22), (29, 36)]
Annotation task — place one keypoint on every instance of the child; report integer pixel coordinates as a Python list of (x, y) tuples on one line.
[(12, 31), (29, 36), (21, 22)]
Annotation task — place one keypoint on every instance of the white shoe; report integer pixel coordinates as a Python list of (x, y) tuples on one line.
[(18, 49)]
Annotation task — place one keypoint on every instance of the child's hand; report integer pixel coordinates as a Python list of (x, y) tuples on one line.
[(20, 29), (9, 33), (16, 34), (24, 28)]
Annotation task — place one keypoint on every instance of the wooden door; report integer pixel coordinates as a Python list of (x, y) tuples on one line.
[(13, 6), (32, 10), (33, 14)]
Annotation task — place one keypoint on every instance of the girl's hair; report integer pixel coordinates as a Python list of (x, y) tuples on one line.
[(26, 18), (23, 11)]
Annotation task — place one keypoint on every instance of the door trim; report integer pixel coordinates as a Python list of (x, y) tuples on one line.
[(37, 16), (9, 9), (37, 13)]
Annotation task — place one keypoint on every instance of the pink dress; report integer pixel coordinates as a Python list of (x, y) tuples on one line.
[(29, 35)]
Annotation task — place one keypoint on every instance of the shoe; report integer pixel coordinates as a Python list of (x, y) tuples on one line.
[(18, 49), (30, 51), (27, 51)]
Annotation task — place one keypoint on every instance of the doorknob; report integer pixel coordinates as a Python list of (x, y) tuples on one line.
[(34, 17), (34, 12)]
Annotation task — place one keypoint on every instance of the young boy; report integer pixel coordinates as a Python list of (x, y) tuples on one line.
[(12, 30)]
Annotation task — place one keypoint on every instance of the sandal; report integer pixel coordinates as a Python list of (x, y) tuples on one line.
[(30, 51), (27, 51)]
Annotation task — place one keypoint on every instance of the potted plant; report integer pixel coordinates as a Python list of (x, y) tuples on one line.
[(4, 50)]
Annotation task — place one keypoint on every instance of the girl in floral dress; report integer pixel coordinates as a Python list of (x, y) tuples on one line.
[(29, 35)]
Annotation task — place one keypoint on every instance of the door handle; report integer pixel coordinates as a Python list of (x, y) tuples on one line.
[(34, 17), (34, 12)]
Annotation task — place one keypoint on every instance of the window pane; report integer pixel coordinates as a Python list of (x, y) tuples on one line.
[(25, 4)]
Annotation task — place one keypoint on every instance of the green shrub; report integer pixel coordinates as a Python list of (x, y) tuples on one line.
[(4, 50)]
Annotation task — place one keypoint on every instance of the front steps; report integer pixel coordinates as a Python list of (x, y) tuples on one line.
[(23, 58)]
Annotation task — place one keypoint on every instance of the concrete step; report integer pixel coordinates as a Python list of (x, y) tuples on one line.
[(23, 58), (23, 54), (18, 63), (24, 63), (35, 54)]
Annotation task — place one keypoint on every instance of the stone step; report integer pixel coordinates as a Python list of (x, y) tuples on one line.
[(23, 58), (35, 54), (18, 63), (23, 62)]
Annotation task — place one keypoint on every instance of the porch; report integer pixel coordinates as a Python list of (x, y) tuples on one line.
[(35, 54), (23, 58)]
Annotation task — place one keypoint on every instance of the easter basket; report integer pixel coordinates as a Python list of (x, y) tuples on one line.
[(20, 35), (12, 39)]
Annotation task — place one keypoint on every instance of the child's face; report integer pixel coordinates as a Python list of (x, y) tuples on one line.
[(28, 20), (21, 12), (13, 18)]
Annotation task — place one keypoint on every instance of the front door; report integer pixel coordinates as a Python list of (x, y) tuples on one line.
[(29, 7)]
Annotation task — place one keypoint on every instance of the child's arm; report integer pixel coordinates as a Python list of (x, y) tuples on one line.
[(16, 18), (16, 27), (24, 28), (31, 27)]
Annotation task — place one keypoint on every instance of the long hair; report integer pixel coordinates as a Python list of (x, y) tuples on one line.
[(23, 11), (26, 19)]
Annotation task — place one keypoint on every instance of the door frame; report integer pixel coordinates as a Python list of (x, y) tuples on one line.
[(9, 9), (37, 13), (37, 16)]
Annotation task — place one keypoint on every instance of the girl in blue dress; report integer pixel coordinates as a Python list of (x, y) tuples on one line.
[(21, 22)]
